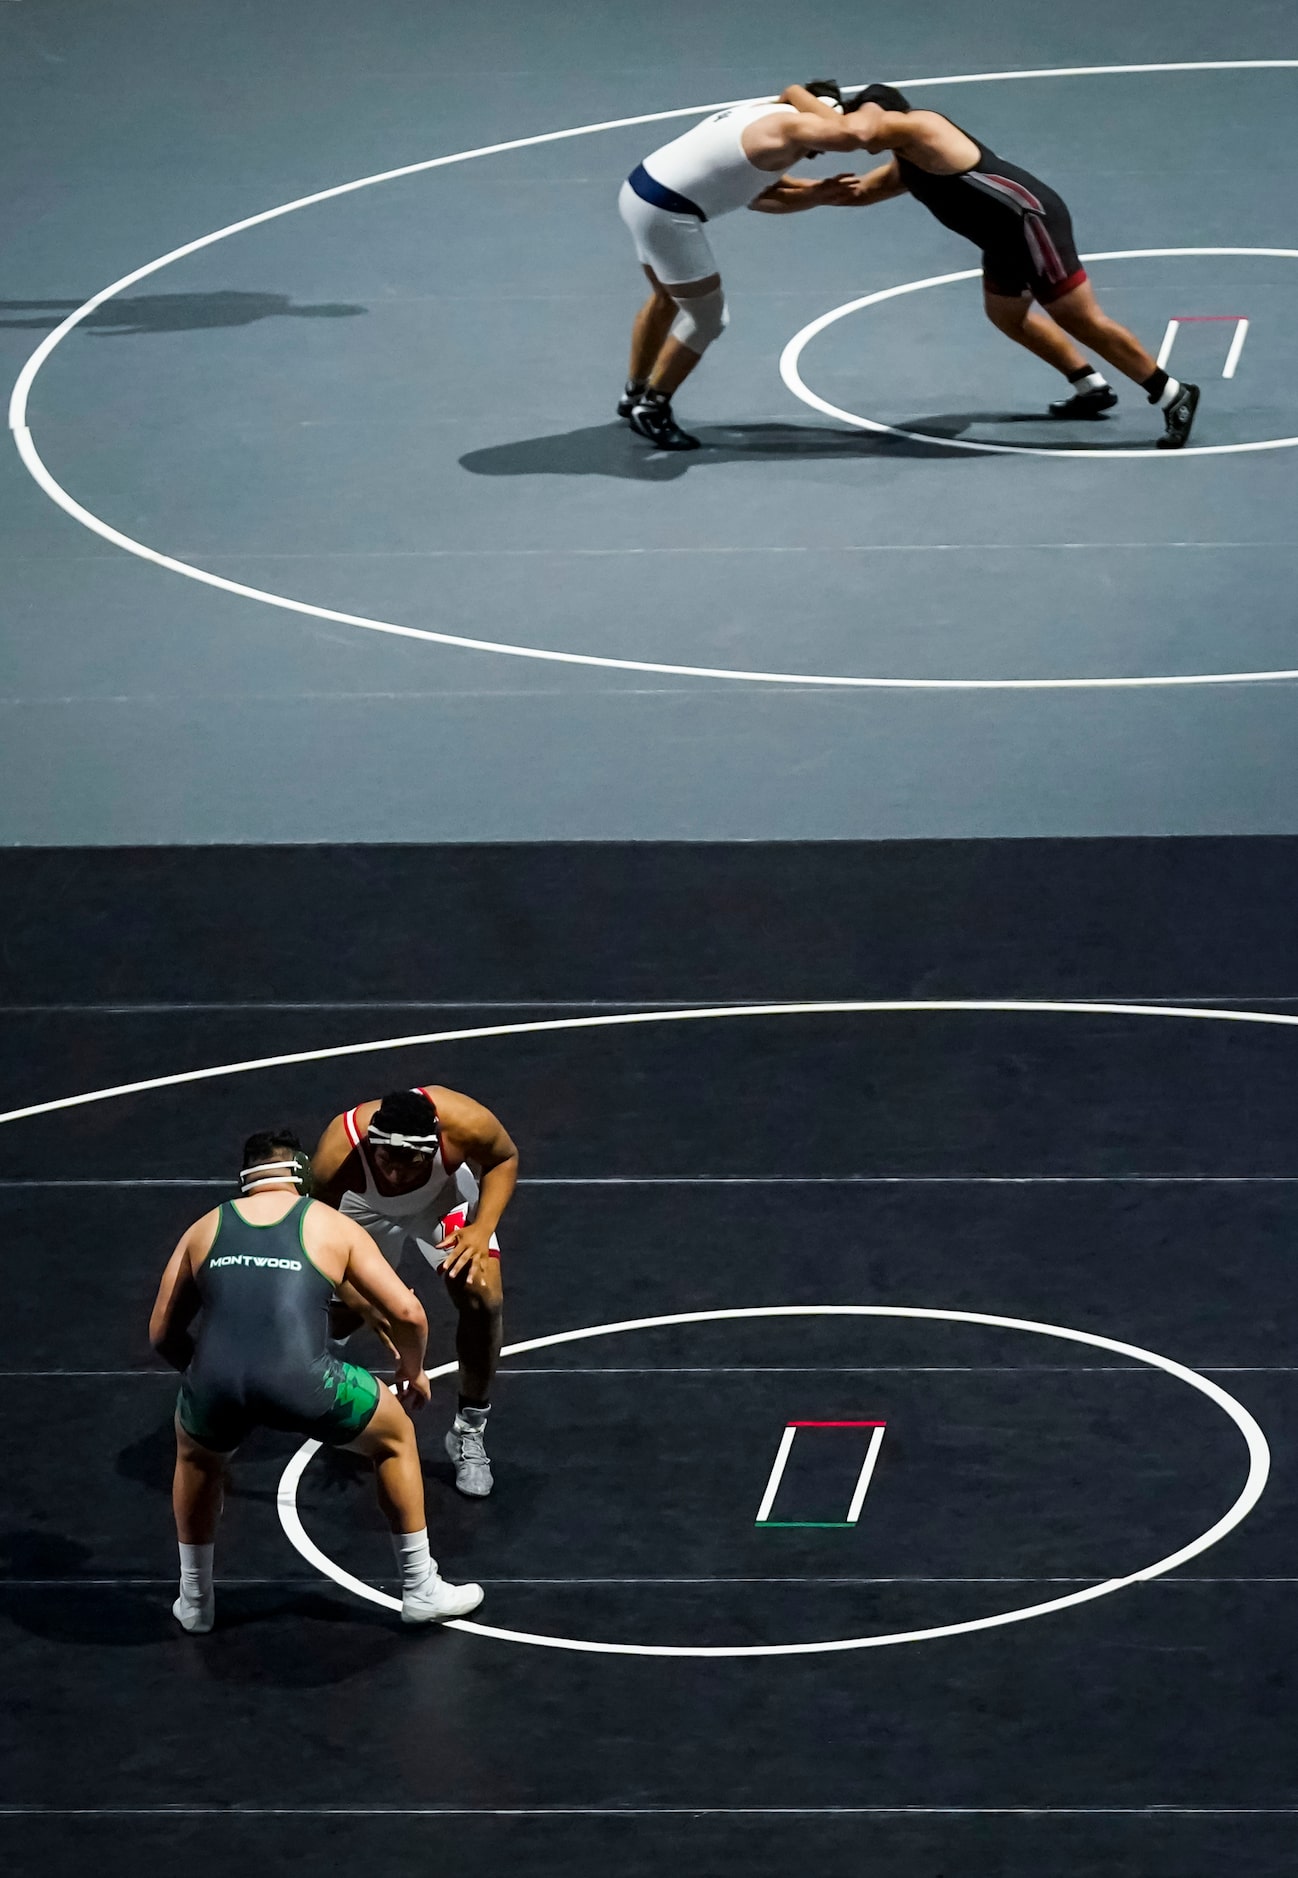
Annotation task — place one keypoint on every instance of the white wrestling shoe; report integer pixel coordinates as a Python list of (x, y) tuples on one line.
[(195, 1615), (466, 1445), (433, 1601)]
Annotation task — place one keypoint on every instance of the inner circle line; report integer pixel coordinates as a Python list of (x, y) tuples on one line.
[(791, 372), (1251, 1492)]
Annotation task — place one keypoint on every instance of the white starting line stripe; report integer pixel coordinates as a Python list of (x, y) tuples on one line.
[(866, 1475), (777, 1473), (1236, 347)]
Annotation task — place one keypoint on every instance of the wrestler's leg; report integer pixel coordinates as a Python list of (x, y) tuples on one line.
[(1020, 320), (479, 1330), (388, 1440), (649, 332), (1080, 314), (197, 1496)]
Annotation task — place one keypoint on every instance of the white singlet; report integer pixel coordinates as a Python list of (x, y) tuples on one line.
[(708, 165)]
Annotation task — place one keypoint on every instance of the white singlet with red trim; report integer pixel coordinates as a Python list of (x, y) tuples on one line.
[(437, 1195), (708, 164)]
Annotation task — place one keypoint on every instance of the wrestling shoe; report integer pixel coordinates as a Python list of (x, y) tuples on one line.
[(1178, 416), (466, 1446), (196, 1615), (631, 396), (1085, 404), (651, 418), (433, 1601)]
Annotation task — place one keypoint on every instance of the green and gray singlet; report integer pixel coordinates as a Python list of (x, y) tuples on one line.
[(261, 1356)]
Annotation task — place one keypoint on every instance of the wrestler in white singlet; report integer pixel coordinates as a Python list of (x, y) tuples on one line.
[(708, 164), (425, 1214)]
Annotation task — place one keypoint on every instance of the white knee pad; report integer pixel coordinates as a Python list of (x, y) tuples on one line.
[(701, 319)]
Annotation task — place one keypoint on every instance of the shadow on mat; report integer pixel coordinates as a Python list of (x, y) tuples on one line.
[(170, 312), (149, 1462), (1084, 435), (612, 450), (65, 1612), (296, 1639), (259, 1635)]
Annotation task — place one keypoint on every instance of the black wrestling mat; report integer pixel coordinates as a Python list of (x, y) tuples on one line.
[(1000, 1159)]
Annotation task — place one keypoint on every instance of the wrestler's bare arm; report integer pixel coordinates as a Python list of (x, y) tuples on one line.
[(772, 143), (177, 1303), (792, 194), (879, 185), (473, 1134), (803, 100), (926, 137), (333, 1170)]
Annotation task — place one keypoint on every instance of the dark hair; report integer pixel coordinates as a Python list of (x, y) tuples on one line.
[(406, 1112), (270, 1144), (827, 89), (887, 97)]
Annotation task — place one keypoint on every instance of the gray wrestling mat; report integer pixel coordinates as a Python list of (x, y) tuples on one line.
[(379, 431)]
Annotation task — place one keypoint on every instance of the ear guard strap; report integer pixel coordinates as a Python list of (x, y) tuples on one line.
[(275, 1173)]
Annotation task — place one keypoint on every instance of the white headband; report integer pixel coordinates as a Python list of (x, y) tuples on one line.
[(390, 1138)]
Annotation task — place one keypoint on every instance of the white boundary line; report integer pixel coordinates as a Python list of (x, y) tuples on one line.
[(1259, 1462), (791, 374), (710, 1013), (866, 1476), (32, 460), (1169, 340), (777, 1474)]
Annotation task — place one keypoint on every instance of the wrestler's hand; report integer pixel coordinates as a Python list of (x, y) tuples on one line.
[(413, 1391), (837, 192), (466, 1252)]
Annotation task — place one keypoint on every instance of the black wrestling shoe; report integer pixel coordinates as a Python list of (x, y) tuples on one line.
[(651, 418), (631, 396), (1085, 403), (1178, 416)]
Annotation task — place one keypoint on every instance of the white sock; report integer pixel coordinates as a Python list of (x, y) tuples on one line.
[(1171, 392), (413, 1557), (1093, 381), (473, 1417), (196, 1572)]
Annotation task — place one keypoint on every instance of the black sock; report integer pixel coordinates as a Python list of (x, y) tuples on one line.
[(464, 1402), (1156, 384), (652, 395), (1083, 371), (634, 386)]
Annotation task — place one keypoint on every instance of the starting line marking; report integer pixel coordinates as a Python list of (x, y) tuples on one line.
[(782, 1460), (1205, 319)]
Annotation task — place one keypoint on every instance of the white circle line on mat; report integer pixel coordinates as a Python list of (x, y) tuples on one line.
[(1259, 1461), (791, 372), (704, 1013), (41, 474)]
